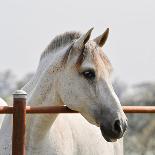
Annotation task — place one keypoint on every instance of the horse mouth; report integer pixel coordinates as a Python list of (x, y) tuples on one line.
[(108, 136)]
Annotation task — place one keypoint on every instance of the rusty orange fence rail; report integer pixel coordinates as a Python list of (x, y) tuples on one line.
[(19, 111), (64, 109)]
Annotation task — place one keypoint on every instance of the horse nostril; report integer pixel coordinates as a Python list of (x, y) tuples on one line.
[(117, 127)]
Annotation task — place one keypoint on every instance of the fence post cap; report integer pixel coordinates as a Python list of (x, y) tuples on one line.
[(19, 94)]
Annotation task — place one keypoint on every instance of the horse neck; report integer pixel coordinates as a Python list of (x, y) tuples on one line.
[(33, 86), (42, 91), (42, 88)]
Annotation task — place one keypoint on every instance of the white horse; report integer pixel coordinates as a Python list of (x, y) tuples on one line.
[(73, 71)]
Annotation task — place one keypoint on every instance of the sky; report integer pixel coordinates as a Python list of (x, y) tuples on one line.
[(27, 27)]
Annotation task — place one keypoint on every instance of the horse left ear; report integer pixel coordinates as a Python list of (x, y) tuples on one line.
[(100, 40), (80, 43)]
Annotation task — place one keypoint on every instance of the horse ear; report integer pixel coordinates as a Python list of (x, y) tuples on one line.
[(83, 39), (100, 40)]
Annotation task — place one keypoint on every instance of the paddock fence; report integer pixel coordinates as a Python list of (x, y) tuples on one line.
[(19, 111)]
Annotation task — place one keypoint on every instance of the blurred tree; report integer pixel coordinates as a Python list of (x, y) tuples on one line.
[(141, 130)]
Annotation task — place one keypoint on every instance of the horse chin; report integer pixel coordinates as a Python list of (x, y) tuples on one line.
[(107, 138), (110, 139)]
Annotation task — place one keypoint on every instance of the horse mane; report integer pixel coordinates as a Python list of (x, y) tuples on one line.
[(59, 41)]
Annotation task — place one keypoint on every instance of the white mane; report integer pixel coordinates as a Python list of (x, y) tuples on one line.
[(61, 40), (56, 43)]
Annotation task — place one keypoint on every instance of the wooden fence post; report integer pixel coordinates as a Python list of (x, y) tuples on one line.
[(19, 122)]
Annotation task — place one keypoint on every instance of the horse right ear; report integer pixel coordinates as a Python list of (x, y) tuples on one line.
[(100, 40), (80, 43)]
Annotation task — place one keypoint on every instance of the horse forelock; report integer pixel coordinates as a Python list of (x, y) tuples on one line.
[(99, 58)]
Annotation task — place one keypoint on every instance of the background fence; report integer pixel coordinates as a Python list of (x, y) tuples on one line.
[(19, 111)]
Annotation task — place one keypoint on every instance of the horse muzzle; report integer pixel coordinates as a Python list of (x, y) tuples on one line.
[(113, 131)]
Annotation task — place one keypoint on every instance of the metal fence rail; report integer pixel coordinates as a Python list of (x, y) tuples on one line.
[(64, 109), (19, 111)]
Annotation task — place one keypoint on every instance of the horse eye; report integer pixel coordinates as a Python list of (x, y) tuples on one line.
[(89, 74)]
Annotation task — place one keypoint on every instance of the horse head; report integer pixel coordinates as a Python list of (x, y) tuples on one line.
[(85, 86)]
